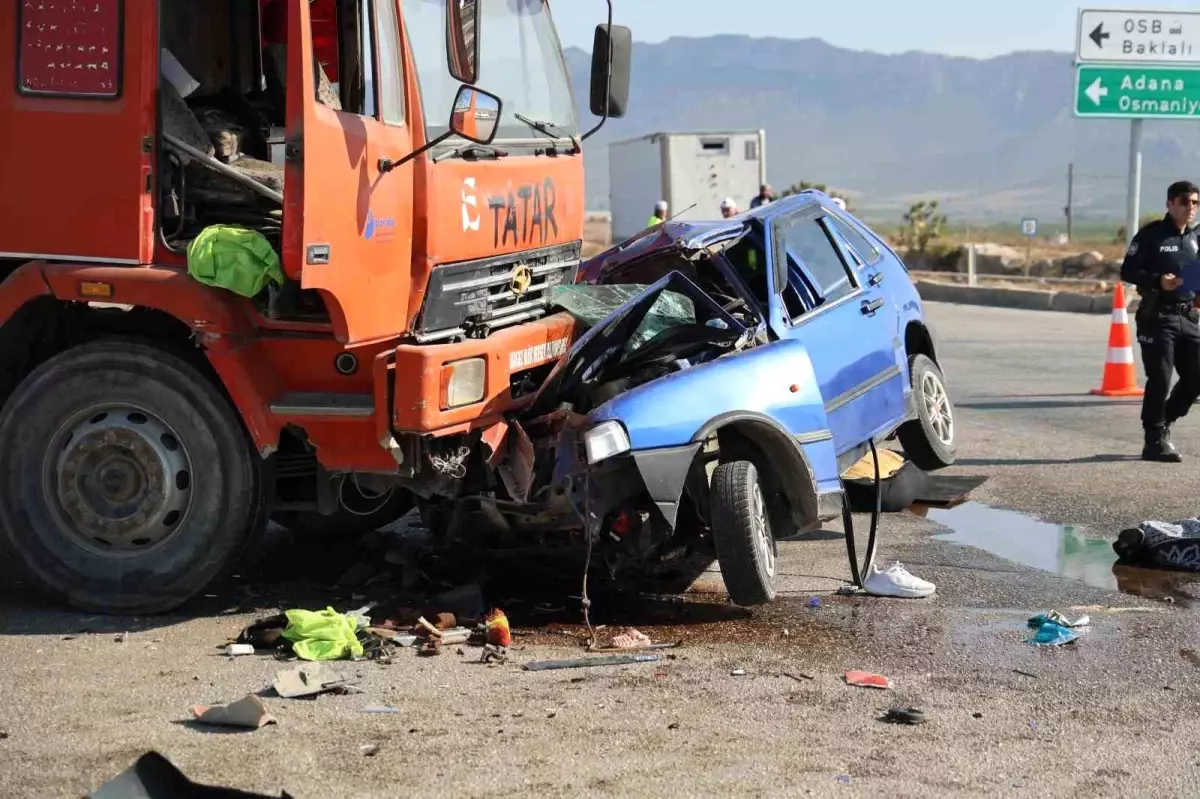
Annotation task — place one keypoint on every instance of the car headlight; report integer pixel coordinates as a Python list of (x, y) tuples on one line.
[(605, 440), (463, 382)]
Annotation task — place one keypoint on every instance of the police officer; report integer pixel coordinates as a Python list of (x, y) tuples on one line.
[(1167, 317)]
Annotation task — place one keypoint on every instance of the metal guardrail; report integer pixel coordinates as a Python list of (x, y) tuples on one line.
[(963, 277)]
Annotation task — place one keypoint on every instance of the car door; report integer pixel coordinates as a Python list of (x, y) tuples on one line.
[(348, 228), (834, 303)]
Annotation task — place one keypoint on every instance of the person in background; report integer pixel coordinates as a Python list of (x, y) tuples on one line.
[(728, 208), (659, 215), (765, 195), (1167, 317)]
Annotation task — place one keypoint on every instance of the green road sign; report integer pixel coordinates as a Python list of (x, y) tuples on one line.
[(1132, 92)]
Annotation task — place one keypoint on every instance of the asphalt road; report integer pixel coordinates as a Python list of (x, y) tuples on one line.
[(1113, 715)]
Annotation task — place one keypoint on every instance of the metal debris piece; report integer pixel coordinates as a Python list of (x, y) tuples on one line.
[(580, 663)]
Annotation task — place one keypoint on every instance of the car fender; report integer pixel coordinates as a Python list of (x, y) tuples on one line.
[(769, 394)]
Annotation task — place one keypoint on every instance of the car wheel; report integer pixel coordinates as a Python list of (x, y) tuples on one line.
[(130, 481), (929, 440), (352, 519), (742, 534)]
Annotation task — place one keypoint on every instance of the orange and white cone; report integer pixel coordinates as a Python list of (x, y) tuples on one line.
[(1120, 375)]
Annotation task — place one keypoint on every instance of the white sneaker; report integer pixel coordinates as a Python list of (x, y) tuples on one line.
[(897, 582)]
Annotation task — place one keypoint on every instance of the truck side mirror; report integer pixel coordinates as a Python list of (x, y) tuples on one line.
[(475, 115), (462, 40), (612, 56)]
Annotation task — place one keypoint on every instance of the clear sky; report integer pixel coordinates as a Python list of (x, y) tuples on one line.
[(980, 28)]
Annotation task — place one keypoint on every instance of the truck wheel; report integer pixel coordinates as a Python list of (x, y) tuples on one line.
[(129, 483), (347, 523), (742, 534), (929, 440)]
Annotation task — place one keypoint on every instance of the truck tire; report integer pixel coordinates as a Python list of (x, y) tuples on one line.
[(741, 529), (346, 523), (929, 440), (130, 481)]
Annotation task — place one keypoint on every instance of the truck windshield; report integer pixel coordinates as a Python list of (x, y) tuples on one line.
[(520, 60)]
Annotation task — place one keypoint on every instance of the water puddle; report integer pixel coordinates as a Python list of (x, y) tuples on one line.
[(1060, 549)]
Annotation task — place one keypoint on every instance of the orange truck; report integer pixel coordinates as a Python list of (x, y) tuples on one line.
[(421, 204)]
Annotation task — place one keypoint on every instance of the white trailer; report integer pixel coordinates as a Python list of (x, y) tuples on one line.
[(692, 171)]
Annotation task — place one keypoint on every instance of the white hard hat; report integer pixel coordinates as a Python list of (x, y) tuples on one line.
[(661, 205), (840, 203), (727, 203)]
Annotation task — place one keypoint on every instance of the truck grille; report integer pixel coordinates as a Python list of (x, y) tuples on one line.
[(473, 297)]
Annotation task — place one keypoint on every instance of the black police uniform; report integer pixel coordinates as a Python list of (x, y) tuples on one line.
[(1167, 329)]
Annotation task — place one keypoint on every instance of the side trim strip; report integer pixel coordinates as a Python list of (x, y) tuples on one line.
[(847, 397), (41, 256), (815, 437)]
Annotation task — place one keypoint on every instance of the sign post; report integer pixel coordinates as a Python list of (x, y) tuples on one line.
[(1029, 229), (1137, 65)]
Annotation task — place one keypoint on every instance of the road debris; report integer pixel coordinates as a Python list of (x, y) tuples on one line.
[(233, 650), (249, 712), (155, 777), (800, 677), (498, 631), (1051, 634), (122, 638), (493, 654), (323, 635), (1054, 617), (738, 673), (368, 750), (865, 679), (580, 663), (309, 681), (379, 710), (1025, 674), (904, 715)]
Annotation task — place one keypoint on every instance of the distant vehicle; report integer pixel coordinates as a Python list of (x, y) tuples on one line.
[(730, 372)]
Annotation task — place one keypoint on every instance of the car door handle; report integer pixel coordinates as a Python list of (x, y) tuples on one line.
[(875, 279), (871, 307)]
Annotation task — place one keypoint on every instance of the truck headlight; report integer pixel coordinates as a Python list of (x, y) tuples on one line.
[(605, 440), (463, 382)]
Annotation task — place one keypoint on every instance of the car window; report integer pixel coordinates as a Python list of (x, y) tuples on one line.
[(808, 241), (860, 245), (749, 260)]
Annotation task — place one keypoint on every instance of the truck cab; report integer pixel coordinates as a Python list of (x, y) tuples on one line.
[(407, 175)]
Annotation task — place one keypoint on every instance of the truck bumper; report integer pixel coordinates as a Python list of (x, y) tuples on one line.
[(514, 360)]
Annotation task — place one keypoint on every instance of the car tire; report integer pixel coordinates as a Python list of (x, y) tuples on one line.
[(741, 528), (345, 523), (928, 440), (130, 481)]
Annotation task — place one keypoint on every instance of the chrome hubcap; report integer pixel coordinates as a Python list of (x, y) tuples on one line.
[(937, 404), (119, 480), (762, 531)]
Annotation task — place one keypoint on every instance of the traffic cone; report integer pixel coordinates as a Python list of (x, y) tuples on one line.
[(1120, 377)]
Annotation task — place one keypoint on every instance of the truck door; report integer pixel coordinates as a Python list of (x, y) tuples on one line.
[(77, 128), (347, 228)]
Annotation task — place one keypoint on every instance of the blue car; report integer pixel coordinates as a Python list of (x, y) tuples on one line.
[(730, 372)]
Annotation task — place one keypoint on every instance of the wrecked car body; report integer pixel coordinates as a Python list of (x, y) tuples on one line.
[(688, 422)]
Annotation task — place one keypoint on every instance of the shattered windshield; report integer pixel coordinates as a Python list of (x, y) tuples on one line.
[(591, 304)]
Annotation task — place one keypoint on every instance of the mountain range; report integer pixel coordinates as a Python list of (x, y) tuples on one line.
[(991, 139)]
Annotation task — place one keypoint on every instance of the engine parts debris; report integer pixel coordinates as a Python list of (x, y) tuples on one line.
[(248, 712), (581, 663)]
